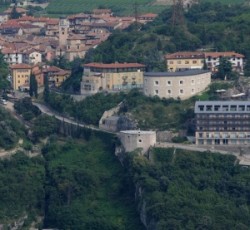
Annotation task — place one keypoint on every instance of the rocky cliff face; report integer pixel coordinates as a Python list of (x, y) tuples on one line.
[(148, 222)]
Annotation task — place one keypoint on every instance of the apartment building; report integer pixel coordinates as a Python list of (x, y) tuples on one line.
[(20, 76), (222, 122), (182, 84), (111, 77), (213, 60), (180, 61), (184, 60)]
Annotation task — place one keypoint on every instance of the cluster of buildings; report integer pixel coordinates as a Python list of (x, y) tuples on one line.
[(28, 42), (196, 60), (20, 75)]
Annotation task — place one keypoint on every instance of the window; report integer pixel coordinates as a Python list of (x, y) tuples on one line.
[(194, 62), (181, 91), (178, 62), (168, 82), (201, 107), (186, 62), (171, 62), (140, 140), (156, 82), (233, 108), (192, 81), (209, 108), (169, 92), (192, 91), (156, 92), (241, 108), (181, 82), (216, 107)]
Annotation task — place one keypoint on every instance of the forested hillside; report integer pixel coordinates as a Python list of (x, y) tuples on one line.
[(75, 184), (10, 130), (179, 189), (205, 26)]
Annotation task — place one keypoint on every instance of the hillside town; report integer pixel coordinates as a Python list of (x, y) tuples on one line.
[(29, 44), (124, 115)]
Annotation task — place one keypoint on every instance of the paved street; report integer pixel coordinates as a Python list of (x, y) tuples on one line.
[(46, 110)]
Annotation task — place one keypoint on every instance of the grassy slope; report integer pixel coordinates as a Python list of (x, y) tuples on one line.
[(118, 6)]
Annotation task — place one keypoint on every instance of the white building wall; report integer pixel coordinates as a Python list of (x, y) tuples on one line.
[(182, 87), (133, 139)]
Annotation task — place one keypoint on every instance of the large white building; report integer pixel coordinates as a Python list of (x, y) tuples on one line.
[(182, 84), (222, 123)]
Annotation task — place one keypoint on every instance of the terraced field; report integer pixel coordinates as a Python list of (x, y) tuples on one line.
[(120, 7)]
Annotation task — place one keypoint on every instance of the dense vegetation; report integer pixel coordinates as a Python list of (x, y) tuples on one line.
[(87, 188), (185, 190), (205, 26), (22, 188), (120, 7), (149, 112), (10, 130), (26, 109)]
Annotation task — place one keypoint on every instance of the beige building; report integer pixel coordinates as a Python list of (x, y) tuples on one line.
[(137, 139), (63, 31), (182, 84), (75, 47), (184, 60), (111, 77), (20, 76)]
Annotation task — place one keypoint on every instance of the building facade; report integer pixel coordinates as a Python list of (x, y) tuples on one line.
[(20, 76), (183, 84), (222, 122), (195, 60), (184, 60), (111, 77), (213, 60)]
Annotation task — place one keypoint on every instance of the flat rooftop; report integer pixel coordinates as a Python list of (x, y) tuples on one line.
[(187, 73), (137, 132), (222, 107)]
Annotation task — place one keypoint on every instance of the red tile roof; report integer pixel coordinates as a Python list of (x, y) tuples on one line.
[(114, 65), (149, 15), (223, 54), (196, 54), (20, 66), (185, 55)]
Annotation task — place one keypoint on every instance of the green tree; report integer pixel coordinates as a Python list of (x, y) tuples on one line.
[(14, 14), (224, 69), (4, 83), (46, 92), (33, 86), (247, 68), (205, 67)]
